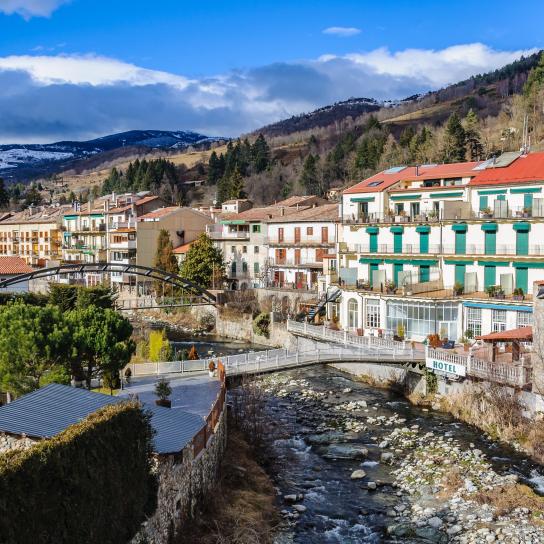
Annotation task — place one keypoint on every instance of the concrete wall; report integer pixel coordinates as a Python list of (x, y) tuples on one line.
[(183, 486)]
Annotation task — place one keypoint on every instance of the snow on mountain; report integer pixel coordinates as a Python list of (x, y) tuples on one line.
[(11, 158)]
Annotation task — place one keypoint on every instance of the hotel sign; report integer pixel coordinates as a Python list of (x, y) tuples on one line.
[(445, 367)]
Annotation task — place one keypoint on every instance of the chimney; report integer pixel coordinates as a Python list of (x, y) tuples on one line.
[(417, 169), (282, 211)]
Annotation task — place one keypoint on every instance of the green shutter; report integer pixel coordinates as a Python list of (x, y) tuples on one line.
[(490, 275), (373, 243), (424, 273), (490, 243), (460, 270), (396, 269), (460, 243), (233, 269), (397, 242), (371, 268), (522, 279), (522, 243), (528, 202), (424, 242), (483, 202), (256, 268)]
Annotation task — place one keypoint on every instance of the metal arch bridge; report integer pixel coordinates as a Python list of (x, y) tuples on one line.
[(105, 268)]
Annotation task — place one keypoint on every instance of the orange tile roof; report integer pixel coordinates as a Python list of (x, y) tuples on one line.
[(140, 202), (409, 173), (327, 212), (525, 169), (13, 265), (161, 212), (180, 250), (524, 334)]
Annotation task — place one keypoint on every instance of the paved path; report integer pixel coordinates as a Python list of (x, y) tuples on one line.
[(193, 394)]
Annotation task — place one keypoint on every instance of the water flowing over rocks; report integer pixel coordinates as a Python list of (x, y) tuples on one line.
[(354, 464)]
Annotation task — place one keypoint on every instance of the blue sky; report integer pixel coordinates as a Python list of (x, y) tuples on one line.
[(83, 68)]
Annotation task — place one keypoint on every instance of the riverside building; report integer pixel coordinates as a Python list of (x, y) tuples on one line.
[(441, 249)]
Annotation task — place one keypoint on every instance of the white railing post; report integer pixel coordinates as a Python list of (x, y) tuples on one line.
[(157, 368)]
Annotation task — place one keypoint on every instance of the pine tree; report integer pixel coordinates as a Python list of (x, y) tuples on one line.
[(454, 140), (475, 148), (223, 189), (260, 154), (4, 196), (215, 168), (164, 257), (236, 184), (309, 178)]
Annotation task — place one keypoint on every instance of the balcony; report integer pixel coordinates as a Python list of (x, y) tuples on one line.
[(438, 249), (131, 224), (302, 242), (378, 217), (293, 263), (220, 235)]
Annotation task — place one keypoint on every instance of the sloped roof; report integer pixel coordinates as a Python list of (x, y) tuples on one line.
[(523, 334), (44, 214), (139, 202), (326, 213), (160, 212), (184, 248), (14, 265), (392, 176), (525, 169), (46, 412), (304, 200)]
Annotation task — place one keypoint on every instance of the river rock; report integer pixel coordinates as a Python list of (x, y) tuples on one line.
[(429, 534), (372, 485), (344, 451), (435, 522), (386, 457), (358, 474), (401, 530), (299, 508)]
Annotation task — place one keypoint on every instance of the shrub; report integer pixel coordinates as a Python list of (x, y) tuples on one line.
[(163, 389), (91, 483), (261, 325), (34, 299)]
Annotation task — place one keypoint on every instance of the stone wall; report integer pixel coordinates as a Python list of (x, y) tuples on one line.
[(184, 482), (9, 442)]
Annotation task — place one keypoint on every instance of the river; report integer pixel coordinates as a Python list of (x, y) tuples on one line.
[(316, 440)]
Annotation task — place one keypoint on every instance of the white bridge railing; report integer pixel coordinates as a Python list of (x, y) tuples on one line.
[(344, 337), (274, 359)]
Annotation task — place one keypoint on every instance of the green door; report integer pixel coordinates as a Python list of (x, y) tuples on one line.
[(396, 269), (483, 202), (528, 201), (460, 243), (460, 270), (490, 275), (397, 242), (424, 242), (522, 279), (424, 273), (522, 243), (490, 242), (373, 243), (372, 268)]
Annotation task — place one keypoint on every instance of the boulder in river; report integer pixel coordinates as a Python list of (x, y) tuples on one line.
[(358, 474), (344, 451)]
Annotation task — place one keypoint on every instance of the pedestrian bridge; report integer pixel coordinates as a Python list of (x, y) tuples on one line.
[(352, 349)]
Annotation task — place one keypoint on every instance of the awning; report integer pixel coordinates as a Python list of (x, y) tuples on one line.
[(490, 227), (405, 197), (459, 227), (447, 195), (519, 191), (397, 229), (493, 192), (522, 226), (490, 306), (423, 229), (367, 260), (362, 199), (373, 230), (523, 334)]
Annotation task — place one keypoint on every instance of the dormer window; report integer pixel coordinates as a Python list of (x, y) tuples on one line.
[(375, 183)]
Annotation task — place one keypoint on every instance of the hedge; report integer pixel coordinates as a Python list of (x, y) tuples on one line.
[(35, 299), (92, 483)]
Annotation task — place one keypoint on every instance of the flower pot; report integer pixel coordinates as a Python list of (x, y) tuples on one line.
[(166, 403)]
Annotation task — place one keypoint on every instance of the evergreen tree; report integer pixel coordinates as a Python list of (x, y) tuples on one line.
[(223, 189), (260, 153), (216, 167), (164, 257), (309, 178), (236, 184), (203, 264), (475, 148), (454, 140), (4, 196)]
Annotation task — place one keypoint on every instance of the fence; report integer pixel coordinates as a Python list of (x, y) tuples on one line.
[(503, 373)]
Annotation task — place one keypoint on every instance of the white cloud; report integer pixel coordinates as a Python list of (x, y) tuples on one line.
[(342, 31), (47, 97), (31, 8)]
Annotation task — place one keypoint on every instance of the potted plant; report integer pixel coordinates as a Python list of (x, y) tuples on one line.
[(432, 215), (390, 287), (527, 212), (211, 369), (434, 340), (163, 391), (518, 294), (365, 285), (491, 291), (499, 292), (400, 333), (486, 213), (458, 288)]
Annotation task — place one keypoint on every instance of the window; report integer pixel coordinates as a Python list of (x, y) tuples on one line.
[(474, 321), (324, 235), (353, 314), (233, 249), (280, 235), (244, 249), (498, 320), (256, 249), (373, 313), (375, 183), (244, 267), (256, 228), (524, 319), (256, 268), (309, 231)]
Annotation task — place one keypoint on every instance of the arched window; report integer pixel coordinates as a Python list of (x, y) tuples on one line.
[(353, 314)]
